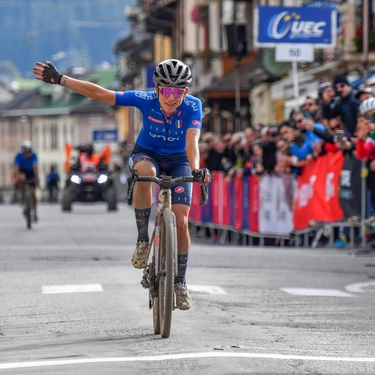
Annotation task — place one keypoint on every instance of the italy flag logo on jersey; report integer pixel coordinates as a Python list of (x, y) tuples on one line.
[(179, 123)]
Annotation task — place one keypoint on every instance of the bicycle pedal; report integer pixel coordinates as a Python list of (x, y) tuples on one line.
[(145, 282)]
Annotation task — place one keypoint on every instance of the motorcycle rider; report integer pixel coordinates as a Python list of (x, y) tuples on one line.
[(88, 159)]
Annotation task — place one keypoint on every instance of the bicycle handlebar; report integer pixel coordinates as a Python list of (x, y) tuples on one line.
[(165, 182)]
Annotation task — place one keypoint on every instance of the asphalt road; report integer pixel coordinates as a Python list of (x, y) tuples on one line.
[(71, 303)]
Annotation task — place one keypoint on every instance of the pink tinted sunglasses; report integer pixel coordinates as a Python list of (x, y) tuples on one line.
[(166, 91)]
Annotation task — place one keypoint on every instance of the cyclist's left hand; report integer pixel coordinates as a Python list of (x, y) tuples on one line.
[(47, 72), (202, 175)]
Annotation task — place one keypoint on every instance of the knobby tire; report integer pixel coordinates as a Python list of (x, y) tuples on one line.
[(155, 299), (28, 205), (166, 271)]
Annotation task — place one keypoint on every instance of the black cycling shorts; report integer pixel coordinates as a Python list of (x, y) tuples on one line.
[(30, 175), (175, 165)]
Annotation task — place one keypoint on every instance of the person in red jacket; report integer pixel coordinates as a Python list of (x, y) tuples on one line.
[(365, 145)]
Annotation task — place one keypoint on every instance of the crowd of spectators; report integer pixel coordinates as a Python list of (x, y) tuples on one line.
[(339, 119)]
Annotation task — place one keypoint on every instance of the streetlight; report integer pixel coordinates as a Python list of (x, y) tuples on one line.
[(29, 120)]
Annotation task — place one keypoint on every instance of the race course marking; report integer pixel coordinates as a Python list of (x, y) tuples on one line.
[(63, 362), (368, 286), (316, 292), (206, 289), (83, 288)]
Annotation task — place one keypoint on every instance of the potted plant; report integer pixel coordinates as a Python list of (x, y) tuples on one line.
[(186, 56), (358, 39), (208, 53), (199, 14)]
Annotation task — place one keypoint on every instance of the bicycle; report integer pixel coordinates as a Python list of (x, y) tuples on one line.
[(27, 201), (159, 275)]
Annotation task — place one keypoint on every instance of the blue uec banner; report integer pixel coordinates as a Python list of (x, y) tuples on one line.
[(276, 25)]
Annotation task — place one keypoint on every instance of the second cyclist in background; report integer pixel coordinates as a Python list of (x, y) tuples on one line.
[(26, 169)]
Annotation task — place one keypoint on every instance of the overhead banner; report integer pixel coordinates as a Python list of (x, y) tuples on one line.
[(295, 25)]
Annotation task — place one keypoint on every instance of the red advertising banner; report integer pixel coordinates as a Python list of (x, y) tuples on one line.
[(195, 209), (225, 202), (254, 203), (302, 206), (238, 202), (317, 192), (215, 196), (326, 205), (220, 192)]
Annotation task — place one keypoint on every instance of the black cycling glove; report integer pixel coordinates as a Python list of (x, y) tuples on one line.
[(51, 75), (199, 174)]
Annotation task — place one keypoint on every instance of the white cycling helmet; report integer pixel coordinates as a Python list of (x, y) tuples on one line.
[(26, 146), (367, 105), (172, 73)]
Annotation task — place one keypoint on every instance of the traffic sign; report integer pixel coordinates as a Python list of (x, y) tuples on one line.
[(294, 52), (105, 136)]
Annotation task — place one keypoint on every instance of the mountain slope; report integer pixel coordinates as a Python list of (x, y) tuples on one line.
[(66, 32)]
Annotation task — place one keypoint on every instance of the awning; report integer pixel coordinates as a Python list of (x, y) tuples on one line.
[(161, 17), (359, 81), (225, 86)]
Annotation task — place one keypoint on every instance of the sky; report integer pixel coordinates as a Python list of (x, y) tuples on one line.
[(69, 33)]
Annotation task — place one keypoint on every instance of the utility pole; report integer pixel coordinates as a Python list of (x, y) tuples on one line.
[(365, 38), (237, 96), (364, 169)]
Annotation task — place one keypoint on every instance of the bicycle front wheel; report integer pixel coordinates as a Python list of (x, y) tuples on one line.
[(168, 243), (27, 207)]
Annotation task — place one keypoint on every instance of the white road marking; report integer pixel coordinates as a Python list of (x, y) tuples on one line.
[(359, 287), (167, 357), (83, 288), (316, 292), (206, 289)]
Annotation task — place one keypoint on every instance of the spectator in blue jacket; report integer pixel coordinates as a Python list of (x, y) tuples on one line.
[(341, 101), (300, 145), (53, 179)]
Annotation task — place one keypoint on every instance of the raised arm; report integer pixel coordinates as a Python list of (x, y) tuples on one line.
[(48, 73)]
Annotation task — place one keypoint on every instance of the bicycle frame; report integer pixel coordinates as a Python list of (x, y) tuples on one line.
[(158, 277)]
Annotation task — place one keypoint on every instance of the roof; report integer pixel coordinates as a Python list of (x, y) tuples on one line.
[(226, 85), (54, 100)]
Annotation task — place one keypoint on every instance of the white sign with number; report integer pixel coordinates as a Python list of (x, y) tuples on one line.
[(294, 52)]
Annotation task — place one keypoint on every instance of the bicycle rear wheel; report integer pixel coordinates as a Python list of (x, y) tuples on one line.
[(166, 273), (28, 206)]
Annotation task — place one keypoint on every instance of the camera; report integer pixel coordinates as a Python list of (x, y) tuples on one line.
[(306, 114), (340, 136)]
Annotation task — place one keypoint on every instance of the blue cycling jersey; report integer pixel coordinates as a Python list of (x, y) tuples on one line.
[(159, 134), (25, 164)]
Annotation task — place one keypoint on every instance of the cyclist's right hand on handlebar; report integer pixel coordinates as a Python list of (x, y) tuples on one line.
[(50, 74), (202, 175)]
